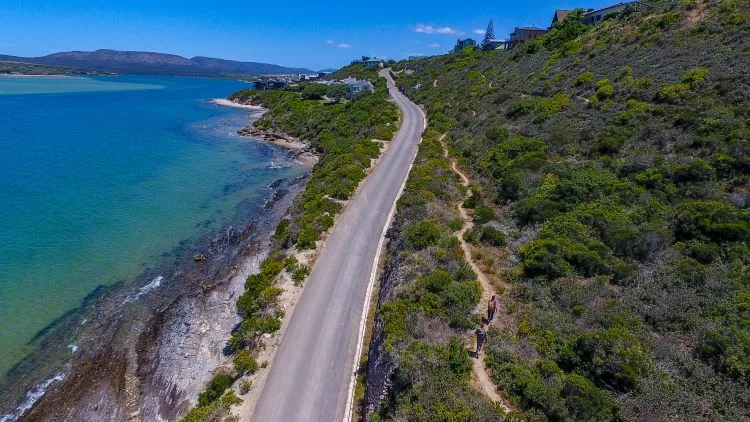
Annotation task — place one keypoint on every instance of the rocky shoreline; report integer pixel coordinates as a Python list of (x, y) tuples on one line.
[(146, 354), (300, 149)]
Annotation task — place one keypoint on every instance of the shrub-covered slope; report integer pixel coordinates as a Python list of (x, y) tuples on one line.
[(342, 134), (617, 160), (427, 297)]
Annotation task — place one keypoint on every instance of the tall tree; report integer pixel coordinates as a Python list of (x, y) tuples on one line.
[(489, 35)]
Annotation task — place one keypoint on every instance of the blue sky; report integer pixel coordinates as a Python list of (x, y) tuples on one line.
[(313, 34)]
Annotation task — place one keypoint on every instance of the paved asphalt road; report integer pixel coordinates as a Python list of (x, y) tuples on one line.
[(310, 376)]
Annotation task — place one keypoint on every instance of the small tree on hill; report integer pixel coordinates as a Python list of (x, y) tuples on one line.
[(489, 35), (336, 92)]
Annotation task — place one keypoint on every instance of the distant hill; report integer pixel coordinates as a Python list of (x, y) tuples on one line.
[(18, 68), (142, 62)]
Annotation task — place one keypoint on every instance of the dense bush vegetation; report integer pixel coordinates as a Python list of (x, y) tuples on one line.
[(428, 316), (617, 161), (342, 134)]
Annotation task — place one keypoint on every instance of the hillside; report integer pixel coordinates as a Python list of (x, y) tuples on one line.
[(16, 68), (141, 62), (611, 171)]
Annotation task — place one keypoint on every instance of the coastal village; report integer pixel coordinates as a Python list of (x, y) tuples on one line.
[(519, 36)]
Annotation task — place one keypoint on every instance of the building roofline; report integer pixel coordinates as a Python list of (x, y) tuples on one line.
[(623, 3)]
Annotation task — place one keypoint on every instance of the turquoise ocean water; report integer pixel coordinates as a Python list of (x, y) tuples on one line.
[(100, 177)]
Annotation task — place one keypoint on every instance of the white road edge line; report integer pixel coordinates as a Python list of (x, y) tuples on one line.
[(373, 273)]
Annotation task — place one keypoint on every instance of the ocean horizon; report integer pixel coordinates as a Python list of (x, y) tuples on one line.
[(103, 177)]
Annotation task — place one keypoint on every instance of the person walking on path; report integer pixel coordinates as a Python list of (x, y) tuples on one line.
[(481, 337), (491, 308)]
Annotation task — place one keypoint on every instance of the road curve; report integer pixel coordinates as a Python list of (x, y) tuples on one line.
[(311, 373)]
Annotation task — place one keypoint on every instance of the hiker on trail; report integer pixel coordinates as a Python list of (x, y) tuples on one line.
[(491, 308), (481, 336)]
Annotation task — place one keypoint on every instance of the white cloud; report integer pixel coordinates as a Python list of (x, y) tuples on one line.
[(434, 45), (330, 42), (479, 31), (430, 29), (343, 45)]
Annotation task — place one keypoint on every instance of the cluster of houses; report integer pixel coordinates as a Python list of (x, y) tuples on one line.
[(370, 62), (521, 35), (280, 82), (355, 85), (267, 83)]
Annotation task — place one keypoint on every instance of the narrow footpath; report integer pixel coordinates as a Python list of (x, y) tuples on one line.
[(480, 374)]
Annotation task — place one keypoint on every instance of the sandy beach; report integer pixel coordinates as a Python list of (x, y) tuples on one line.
[(227, 103)]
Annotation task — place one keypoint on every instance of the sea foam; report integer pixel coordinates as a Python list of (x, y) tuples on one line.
[(154, 284), (31, 397)]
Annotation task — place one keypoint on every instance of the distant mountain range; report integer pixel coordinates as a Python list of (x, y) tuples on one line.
[(142, 62)]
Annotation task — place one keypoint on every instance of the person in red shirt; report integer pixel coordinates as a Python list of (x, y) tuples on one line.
[(491, 308)]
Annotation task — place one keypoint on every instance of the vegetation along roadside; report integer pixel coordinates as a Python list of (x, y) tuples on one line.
[(342, 134)]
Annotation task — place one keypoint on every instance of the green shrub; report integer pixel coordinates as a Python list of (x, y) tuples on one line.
[(672, 93), (244, 363), (522, 106), (562, 245), (290, 263), (553, 105), (299, 274), (306, 238), (613, 358), (604, 89), (216, 387), (472, 236), (694, 172), (459, 358), (313, 91), (216, 410), (695, 76), (245, 386), (712, 220), (584, 78), (282, 232), (483, 214), (326, 221), (423, 234), (586, 402), (492, 236)]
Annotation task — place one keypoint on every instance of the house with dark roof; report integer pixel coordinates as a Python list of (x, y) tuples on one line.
[(269, 84), (596, 16), (495, 44), (356, 86), (559, 16), (463, 43), (370, 62), (522, 35)]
